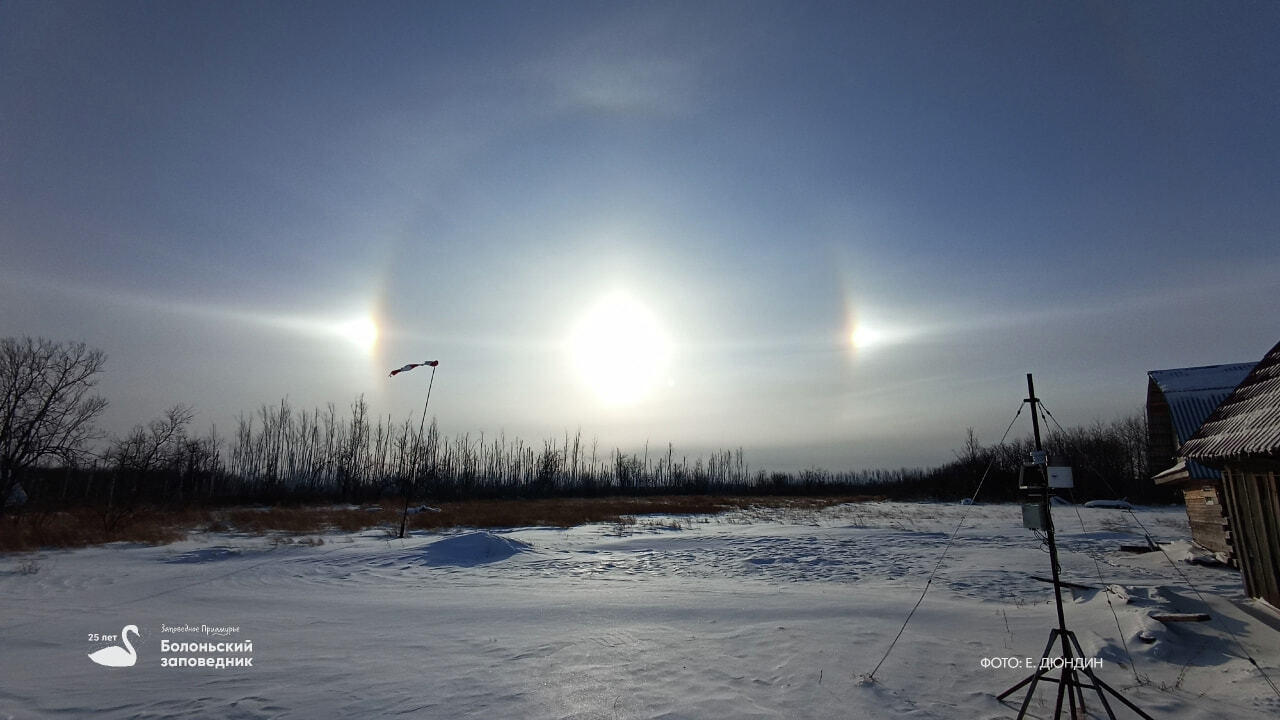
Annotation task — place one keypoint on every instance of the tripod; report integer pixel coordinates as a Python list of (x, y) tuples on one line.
[(1071, 660)]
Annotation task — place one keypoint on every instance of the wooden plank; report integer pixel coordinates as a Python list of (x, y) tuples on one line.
[(1268, 515), (1241, 538), (1253, 565), (1205, 513), (1148, 547), (1064, 583), (1165, 617)]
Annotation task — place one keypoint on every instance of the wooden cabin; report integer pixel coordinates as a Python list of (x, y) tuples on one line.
[(1242, 439), (1178, 401)]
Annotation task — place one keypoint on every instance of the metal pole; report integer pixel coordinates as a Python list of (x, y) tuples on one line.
[(1067, 671), (1035, 419), (413, 473)]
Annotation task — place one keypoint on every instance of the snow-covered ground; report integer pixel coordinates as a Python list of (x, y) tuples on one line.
[(755, 614)]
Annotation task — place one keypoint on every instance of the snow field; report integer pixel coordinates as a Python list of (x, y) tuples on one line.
[(755, 614)]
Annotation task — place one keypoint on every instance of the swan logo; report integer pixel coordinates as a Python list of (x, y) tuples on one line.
[(115, 655)]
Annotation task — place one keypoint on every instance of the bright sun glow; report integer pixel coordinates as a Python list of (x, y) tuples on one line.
[(619, 350), (361, 332), (864, 337)]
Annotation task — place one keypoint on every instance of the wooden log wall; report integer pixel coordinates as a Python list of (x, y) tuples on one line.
[(1253, 502), (1209, 524)]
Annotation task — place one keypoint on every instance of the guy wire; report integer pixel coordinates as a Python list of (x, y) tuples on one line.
[(871, 676)]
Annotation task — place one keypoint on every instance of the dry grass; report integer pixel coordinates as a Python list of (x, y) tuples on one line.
[(80, 528), (299, 520)]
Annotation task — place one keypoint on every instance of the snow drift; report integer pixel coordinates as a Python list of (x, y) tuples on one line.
[(473, 548)]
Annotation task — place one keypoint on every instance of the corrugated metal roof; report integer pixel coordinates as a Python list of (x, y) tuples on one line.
[(1195, 392), (1204, 377), (1247, 423)]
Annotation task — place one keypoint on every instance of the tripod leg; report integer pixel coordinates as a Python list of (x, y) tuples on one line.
[(1063, 689), (1074, 695), (1097, 684), (1031, 691), (1032, 677), (1079, 691), (1117, 695), (1021, 682)]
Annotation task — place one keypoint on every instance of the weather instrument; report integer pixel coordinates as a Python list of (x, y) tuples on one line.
[(1037, 481)]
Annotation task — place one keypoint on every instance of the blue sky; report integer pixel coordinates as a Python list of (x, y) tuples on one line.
[(653, 221)]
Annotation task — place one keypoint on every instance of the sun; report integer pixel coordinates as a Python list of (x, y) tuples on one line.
[(870, 337), (361, 332), (619, 350)]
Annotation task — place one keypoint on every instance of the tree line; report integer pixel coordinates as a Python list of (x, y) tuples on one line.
[(53, 456), (1108, 460)]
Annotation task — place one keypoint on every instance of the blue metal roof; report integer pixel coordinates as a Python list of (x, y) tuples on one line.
[(1204, 377), (1193, 394)]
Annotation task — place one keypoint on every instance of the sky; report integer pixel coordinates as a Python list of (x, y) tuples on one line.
[(835, 235)]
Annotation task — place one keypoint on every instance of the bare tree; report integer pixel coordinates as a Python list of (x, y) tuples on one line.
[(46, 410), (140, 455), (158, 444)]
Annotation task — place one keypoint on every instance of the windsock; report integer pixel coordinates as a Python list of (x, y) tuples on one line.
[(410, 366)]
